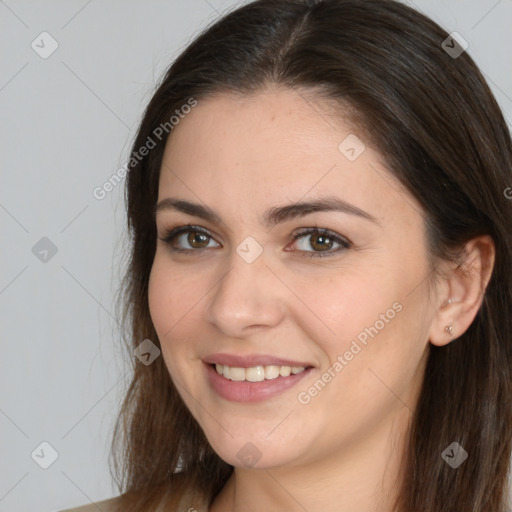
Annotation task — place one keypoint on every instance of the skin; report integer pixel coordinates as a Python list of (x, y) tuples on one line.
[(241, 155)]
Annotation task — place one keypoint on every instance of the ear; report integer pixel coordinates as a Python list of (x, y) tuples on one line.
[(463, 291)]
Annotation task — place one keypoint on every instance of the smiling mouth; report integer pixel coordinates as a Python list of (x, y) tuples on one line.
[(257, 373)]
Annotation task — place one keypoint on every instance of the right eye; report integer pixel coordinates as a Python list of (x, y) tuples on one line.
[(196, 235)]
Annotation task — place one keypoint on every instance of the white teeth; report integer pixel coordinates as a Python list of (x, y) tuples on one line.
[(257, 373), (284, 371), (271, 372), (235, 373)]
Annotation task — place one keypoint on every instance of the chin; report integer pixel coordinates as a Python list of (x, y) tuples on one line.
[(248, 450)]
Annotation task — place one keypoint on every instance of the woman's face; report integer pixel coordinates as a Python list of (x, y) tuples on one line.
[(350, 305)]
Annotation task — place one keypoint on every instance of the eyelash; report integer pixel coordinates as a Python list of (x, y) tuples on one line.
[(171, 234)]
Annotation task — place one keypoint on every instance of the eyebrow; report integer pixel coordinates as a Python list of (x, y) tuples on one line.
[(272, 216)]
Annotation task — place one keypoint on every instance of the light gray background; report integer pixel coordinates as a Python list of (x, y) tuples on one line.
[(67, 124)]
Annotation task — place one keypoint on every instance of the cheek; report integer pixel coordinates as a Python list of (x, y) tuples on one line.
[(159, 298), (168, 299), (371, 325), (341, 304), (176, 298), (170, 295)]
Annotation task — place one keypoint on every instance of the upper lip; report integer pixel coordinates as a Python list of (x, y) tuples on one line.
[(247, 361)]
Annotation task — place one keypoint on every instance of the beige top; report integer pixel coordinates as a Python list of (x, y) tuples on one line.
[(188, 503)]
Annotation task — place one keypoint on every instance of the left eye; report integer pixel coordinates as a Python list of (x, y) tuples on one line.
[(321, 240)]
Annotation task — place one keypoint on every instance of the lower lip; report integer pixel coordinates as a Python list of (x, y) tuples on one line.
[(245, 391)]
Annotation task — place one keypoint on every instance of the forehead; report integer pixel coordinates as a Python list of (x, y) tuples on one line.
[(277, 144)]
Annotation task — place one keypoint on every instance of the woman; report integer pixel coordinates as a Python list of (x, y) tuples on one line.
[(372, 374)]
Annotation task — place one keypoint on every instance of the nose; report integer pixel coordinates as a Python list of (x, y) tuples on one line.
[(248, 295)]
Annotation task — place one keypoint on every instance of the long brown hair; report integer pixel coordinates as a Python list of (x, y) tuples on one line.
[(433, 117)]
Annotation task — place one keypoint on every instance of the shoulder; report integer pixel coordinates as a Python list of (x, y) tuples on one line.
[(105, 506), (188, 499)]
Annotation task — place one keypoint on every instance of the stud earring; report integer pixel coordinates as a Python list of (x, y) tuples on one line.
[(449, 329)]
